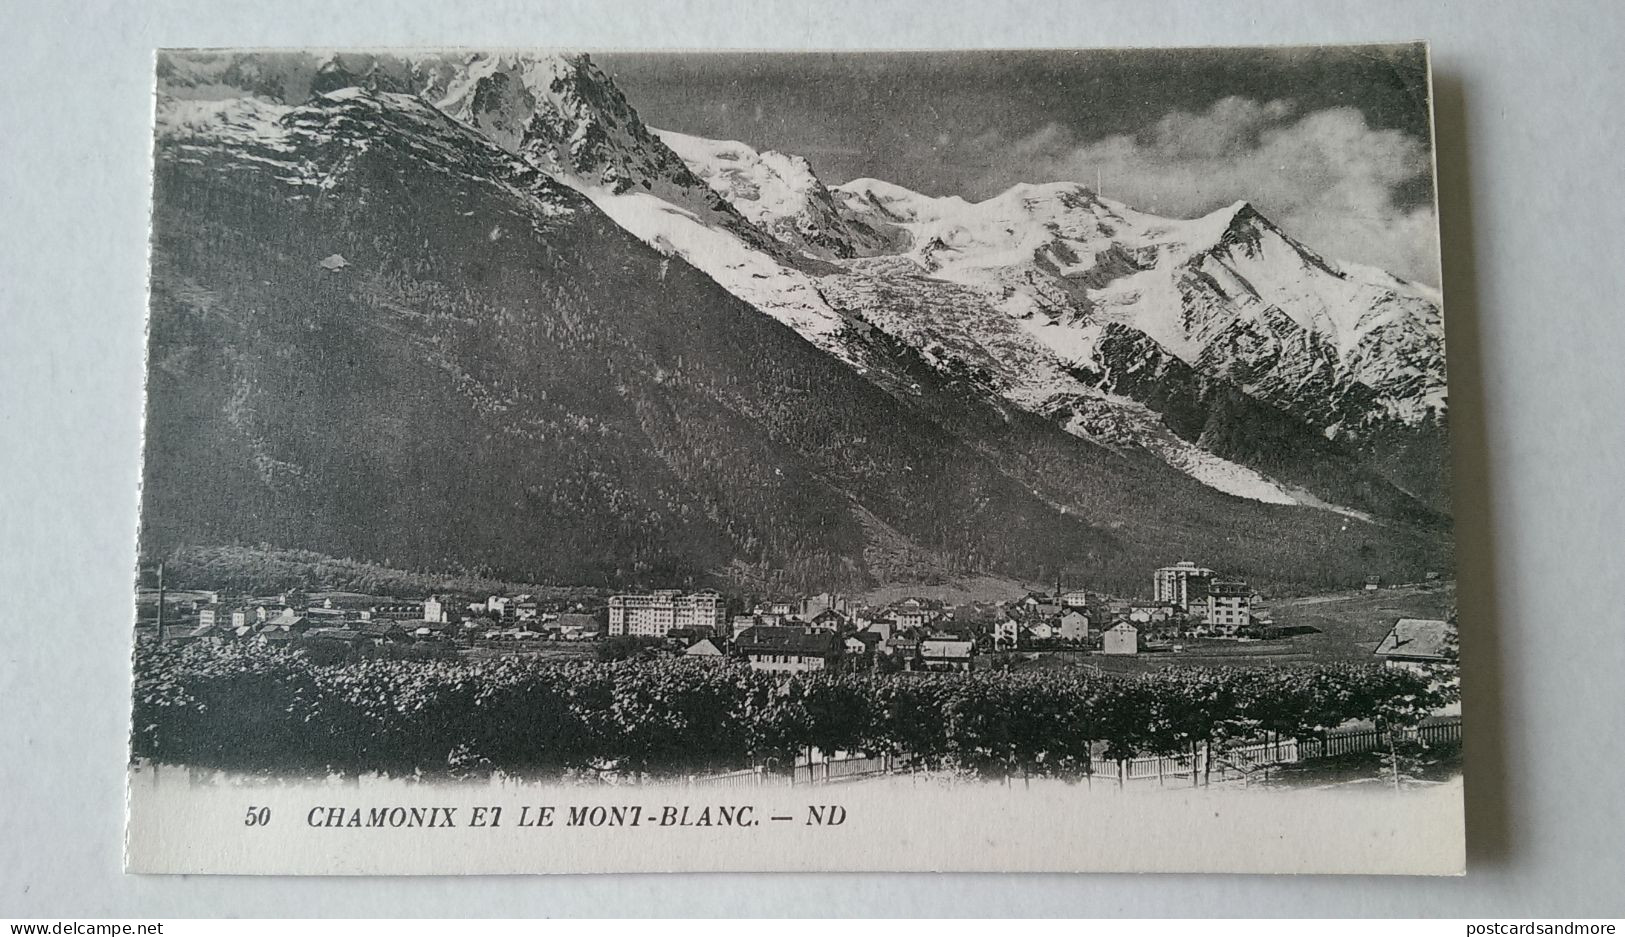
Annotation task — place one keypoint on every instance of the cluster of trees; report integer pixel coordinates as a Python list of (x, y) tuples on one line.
[(246, 708)]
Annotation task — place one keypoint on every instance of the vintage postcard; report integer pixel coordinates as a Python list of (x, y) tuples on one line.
[(627, 461)]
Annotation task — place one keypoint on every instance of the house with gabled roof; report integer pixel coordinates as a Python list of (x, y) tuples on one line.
[(831, 620), (1121, 638), (947, 654), (789, 650), (705, 649), (1415, 644), (1073, 626)]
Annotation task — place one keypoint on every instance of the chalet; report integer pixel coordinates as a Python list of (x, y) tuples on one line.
[(705, 649), (275, 638), (831, 620), (1373, 583), (1074, 626), (1415, 644), (1040, 631), (297, 624), (885, 627), (862, 642), (1121, 638), (789, 650), (947, 655), (212, 634), (903, 645)]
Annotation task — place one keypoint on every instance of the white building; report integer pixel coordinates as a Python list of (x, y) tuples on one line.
[(1121, 638), (655, 614), (1183, 584), (1006, 634), (1077, 598), (1229, 607)]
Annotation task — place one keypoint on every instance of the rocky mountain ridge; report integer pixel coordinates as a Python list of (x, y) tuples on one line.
[(540, 329)]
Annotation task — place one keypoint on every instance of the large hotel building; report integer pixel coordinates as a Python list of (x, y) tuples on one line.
[(657, 613), (1184, 584)]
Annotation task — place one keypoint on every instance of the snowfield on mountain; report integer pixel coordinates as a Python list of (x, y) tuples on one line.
[(751, 366)]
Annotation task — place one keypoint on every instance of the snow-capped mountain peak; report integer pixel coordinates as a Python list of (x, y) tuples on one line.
[(781, 194), (1088, 280), (566, 117)]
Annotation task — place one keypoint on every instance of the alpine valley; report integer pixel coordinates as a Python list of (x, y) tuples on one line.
[(468, 311)]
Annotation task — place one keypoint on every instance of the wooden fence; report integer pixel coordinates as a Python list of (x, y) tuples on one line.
[(744, 777), (1241, 761), (1229, 763), (844, 768)]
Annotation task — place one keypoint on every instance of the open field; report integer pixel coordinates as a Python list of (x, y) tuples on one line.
[(1343, 626)]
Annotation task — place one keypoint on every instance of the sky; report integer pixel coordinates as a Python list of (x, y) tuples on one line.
[(1333, 144)]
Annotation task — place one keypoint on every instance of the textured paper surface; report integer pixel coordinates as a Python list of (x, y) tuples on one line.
[(178, 826), (306, 129)]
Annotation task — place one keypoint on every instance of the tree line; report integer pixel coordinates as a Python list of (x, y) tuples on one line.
[(258, 710)]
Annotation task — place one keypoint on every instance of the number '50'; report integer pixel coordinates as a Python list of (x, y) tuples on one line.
[(257, 816)]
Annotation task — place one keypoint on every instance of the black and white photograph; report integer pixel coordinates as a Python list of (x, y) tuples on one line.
[(712, 460)]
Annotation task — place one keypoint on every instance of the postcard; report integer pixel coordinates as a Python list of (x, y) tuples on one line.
[(616, 461)]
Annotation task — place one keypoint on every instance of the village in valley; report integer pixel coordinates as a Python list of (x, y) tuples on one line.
[(1190, 616)]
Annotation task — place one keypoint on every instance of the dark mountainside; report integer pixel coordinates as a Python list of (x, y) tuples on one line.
[(501, 378)]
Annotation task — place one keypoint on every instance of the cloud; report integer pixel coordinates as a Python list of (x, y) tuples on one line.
[(1327, 177)]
